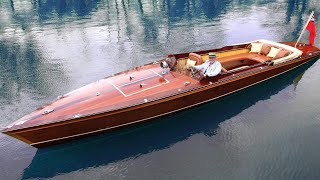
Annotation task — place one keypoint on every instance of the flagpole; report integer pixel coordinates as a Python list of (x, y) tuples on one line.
[(304, 28)]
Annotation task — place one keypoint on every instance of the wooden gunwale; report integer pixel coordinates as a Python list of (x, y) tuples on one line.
[(162, 99)]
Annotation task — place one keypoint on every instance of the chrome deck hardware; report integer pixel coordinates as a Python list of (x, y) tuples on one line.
[(141, 85), (60, 97), (21, 122), (47, 111), (76, 116)]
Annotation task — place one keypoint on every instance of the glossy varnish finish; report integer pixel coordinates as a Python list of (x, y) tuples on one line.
[(137, 95)]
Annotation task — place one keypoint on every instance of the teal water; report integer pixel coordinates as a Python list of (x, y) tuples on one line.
[(50, 47)]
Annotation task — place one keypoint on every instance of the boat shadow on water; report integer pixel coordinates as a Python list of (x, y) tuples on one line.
[(158, 134)]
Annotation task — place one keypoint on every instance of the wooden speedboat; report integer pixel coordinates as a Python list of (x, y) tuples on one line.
[(157, 89)]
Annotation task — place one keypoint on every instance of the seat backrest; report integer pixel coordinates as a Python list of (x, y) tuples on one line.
[(196, 57)]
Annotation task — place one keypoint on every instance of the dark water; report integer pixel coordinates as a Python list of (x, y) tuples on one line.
[(50, 47)]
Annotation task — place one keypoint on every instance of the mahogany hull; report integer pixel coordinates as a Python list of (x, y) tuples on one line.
[(48, 134)]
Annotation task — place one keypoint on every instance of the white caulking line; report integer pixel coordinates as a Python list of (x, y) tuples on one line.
[(118, 89), (144, 90), (133, 82), (159, 75), (152, 86), (138, 81)]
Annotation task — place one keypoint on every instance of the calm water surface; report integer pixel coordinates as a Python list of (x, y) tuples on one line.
[(50, 47)]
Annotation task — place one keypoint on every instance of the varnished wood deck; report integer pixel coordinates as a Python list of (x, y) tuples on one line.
[(109, 94)]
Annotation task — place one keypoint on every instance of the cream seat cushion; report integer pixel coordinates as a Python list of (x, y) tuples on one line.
[(273, 52), (256, 47), (190, 63)]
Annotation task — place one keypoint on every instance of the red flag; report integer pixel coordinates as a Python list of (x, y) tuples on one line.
[(311, 27)]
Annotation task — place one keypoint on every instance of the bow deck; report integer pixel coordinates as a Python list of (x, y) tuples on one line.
[(123, 90)]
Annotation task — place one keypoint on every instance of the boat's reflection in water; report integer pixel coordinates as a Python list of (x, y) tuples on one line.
[(147, 137)]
